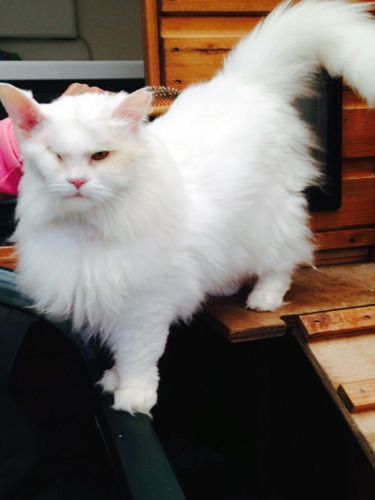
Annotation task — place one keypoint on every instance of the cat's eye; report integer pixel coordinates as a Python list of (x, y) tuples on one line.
[(99, 155), (59, 157)]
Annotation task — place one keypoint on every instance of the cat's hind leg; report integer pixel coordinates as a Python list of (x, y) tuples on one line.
[(268, 292), (229, 289), (110, 380)]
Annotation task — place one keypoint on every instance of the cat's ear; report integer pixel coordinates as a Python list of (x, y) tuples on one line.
[(135, 107), (22, 109)]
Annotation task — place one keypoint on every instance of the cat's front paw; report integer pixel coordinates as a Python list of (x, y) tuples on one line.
[(135, 399), (264, 300)]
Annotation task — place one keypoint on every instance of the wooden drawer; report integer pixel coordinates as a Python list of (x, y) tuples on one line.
[(357, 210), (213, 6), (358, 137), (220, 6), (346, 238), (194, 48), (186, 42), (348, 234)]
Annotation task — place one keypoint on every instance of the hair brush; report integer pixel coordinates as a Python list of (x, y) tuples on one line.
[(163, 97)]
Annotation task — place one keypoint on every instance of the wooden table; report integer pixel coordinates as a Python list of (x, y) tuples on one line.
[(331, 311)]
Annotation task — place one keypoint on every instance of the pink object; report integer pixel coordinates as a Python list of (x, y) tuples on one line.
[(10, 161)]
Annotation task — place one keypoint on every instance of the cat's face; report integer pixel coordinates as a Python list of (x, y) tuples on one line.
[(83, 148)]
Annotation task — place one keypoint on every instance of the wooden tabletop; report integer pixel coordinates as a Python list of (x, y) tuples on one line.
[(341, 347), (331, 311), (313, 290)]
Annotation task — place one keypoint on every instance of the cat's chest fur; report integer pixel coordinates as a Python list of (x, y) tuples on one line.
[(70, 270)]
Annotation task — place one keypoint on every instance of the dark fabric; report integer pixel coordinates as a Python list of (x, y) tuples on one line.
[(50, 447), (24, 473)]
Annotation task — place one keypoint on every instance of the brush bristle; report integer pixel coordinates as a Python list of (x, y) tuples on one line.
[(162, 98)]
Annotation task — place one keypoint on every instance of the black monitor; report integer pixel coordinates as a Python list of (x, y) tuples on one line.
[(324, 113)]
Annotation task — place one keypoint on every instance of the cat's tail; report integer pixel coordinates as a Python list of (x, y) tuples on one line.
[(294, 41)]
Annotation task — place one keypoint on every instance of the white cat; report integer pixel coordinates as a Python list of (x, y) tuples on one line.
[(126, 226)]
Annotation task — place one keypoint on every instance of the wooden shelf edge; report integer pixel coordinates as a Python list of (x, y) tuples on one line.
[(8, 257)]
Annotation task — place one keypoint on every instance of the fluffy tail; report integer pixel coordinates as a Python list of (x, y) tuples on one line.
[(287, 49)]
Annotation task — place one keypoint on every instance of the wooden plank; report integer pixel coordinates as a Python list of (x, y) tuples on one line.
[(352, 100), (358, 168), (228, 316), (358, 396), (358, 207), (334, 323), (343, 246), (206, 27), (342, 256), (218, 6), (194, 48), (8, 257), (358, 133), (329, 288), (151, 43), (347, 238), (213, 6), (192, 60), (346, 360)]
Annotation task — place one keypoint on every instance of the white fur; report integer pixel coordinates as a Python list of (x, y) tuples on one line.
[(185, 206)]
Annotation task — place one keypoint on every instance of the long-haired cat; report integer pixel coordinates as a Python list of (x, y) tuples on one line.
[(125, 226)]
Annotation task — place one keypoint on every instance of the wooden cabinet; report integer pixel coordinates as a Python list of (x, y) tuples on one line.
[(186, 41), (217, 6), (194, 48)]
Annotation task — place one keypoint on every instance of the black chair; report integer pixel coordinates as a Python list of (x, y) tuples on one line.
[(132, 444)]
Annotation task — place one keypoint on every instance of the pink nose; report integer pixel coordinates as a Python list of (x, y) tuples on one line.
[(78, 183)]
